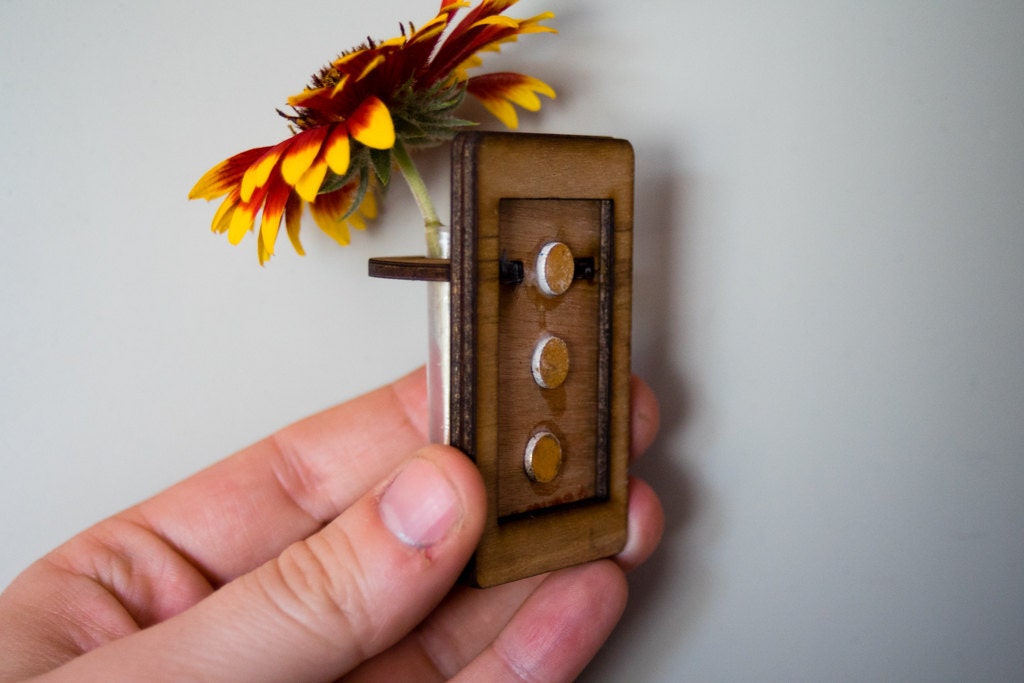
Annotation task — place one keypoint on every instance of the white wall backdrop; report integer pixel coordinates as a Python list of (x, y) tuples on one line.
[(830, 300)]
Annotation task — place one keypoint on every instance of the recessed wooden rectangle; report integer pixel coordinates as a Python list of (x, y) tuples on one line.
[(510, 192), (575, 411)]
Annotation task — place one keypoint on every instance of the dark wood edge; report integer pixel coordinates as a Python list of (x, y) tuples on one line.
[(410, 268), (462, 385), (606, 292), (463, 294)]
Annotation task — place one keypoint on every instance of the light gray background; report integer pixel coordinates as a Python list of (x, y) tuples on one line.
[(829, 281)]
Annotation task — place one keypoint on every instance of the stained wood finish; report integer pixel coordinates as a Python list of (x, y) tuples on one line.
[(410, 268), (575, 412), (511, 193)]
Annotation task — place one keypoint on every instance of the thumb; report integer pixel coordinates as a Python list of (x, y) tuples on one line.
[(327, 602)]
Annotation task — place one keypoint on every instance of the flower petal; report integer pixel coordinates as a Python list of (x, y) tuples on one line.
[(328, 210), (337, 149), (302, 151), (419, 47), (498, 91), (278, 193), (356, 220), (371, 124), (258, 174), (222, 219), (480, 30), (339, 86), (224, 176), (242, 219), (533, 25), (497, 20), (261, 249), (373, 64), (310, 182), (369, 205), (244, 215), (293, 221), (431, 29)]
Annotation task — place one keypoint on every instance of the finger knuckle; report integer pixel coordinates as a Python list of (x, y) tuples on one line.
[(320, 584)]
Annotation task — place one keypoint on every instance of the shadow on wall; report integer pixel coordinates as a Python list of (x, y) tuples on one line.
[(672, 576)]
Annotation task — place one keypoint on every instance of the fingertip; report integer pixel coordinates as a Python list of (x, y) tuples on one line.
[(448, 471), (420, 505), (646, 525), (645, 417), (560, 627)]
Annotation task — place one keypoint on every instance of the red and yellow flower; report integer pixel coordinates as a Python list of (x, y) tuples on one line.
[(358, 118)]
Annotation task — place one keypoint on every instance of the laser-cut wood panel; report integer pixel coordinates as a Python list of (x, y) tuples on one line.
[(512, 194)]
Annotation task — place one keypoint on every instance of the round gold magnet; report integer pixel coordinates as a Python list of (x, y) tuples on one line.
[(555, 268), (543, 457), (550, 363)]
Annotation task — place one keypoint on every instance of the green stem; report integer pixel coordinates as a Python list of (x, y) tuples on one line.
[(431, 221)]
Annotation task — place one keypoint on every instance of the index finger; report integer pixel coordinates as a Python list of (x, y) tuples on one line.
[(244, 510)]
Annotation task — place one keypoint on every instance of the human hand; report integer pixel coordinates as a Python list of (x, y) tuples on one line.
[(328, 550)]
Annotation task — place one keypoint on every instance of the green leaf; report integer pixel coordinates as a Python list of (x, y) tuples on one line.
[(357, 164), (364, 184), (332, 181), (381, 159), (406, 128)]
